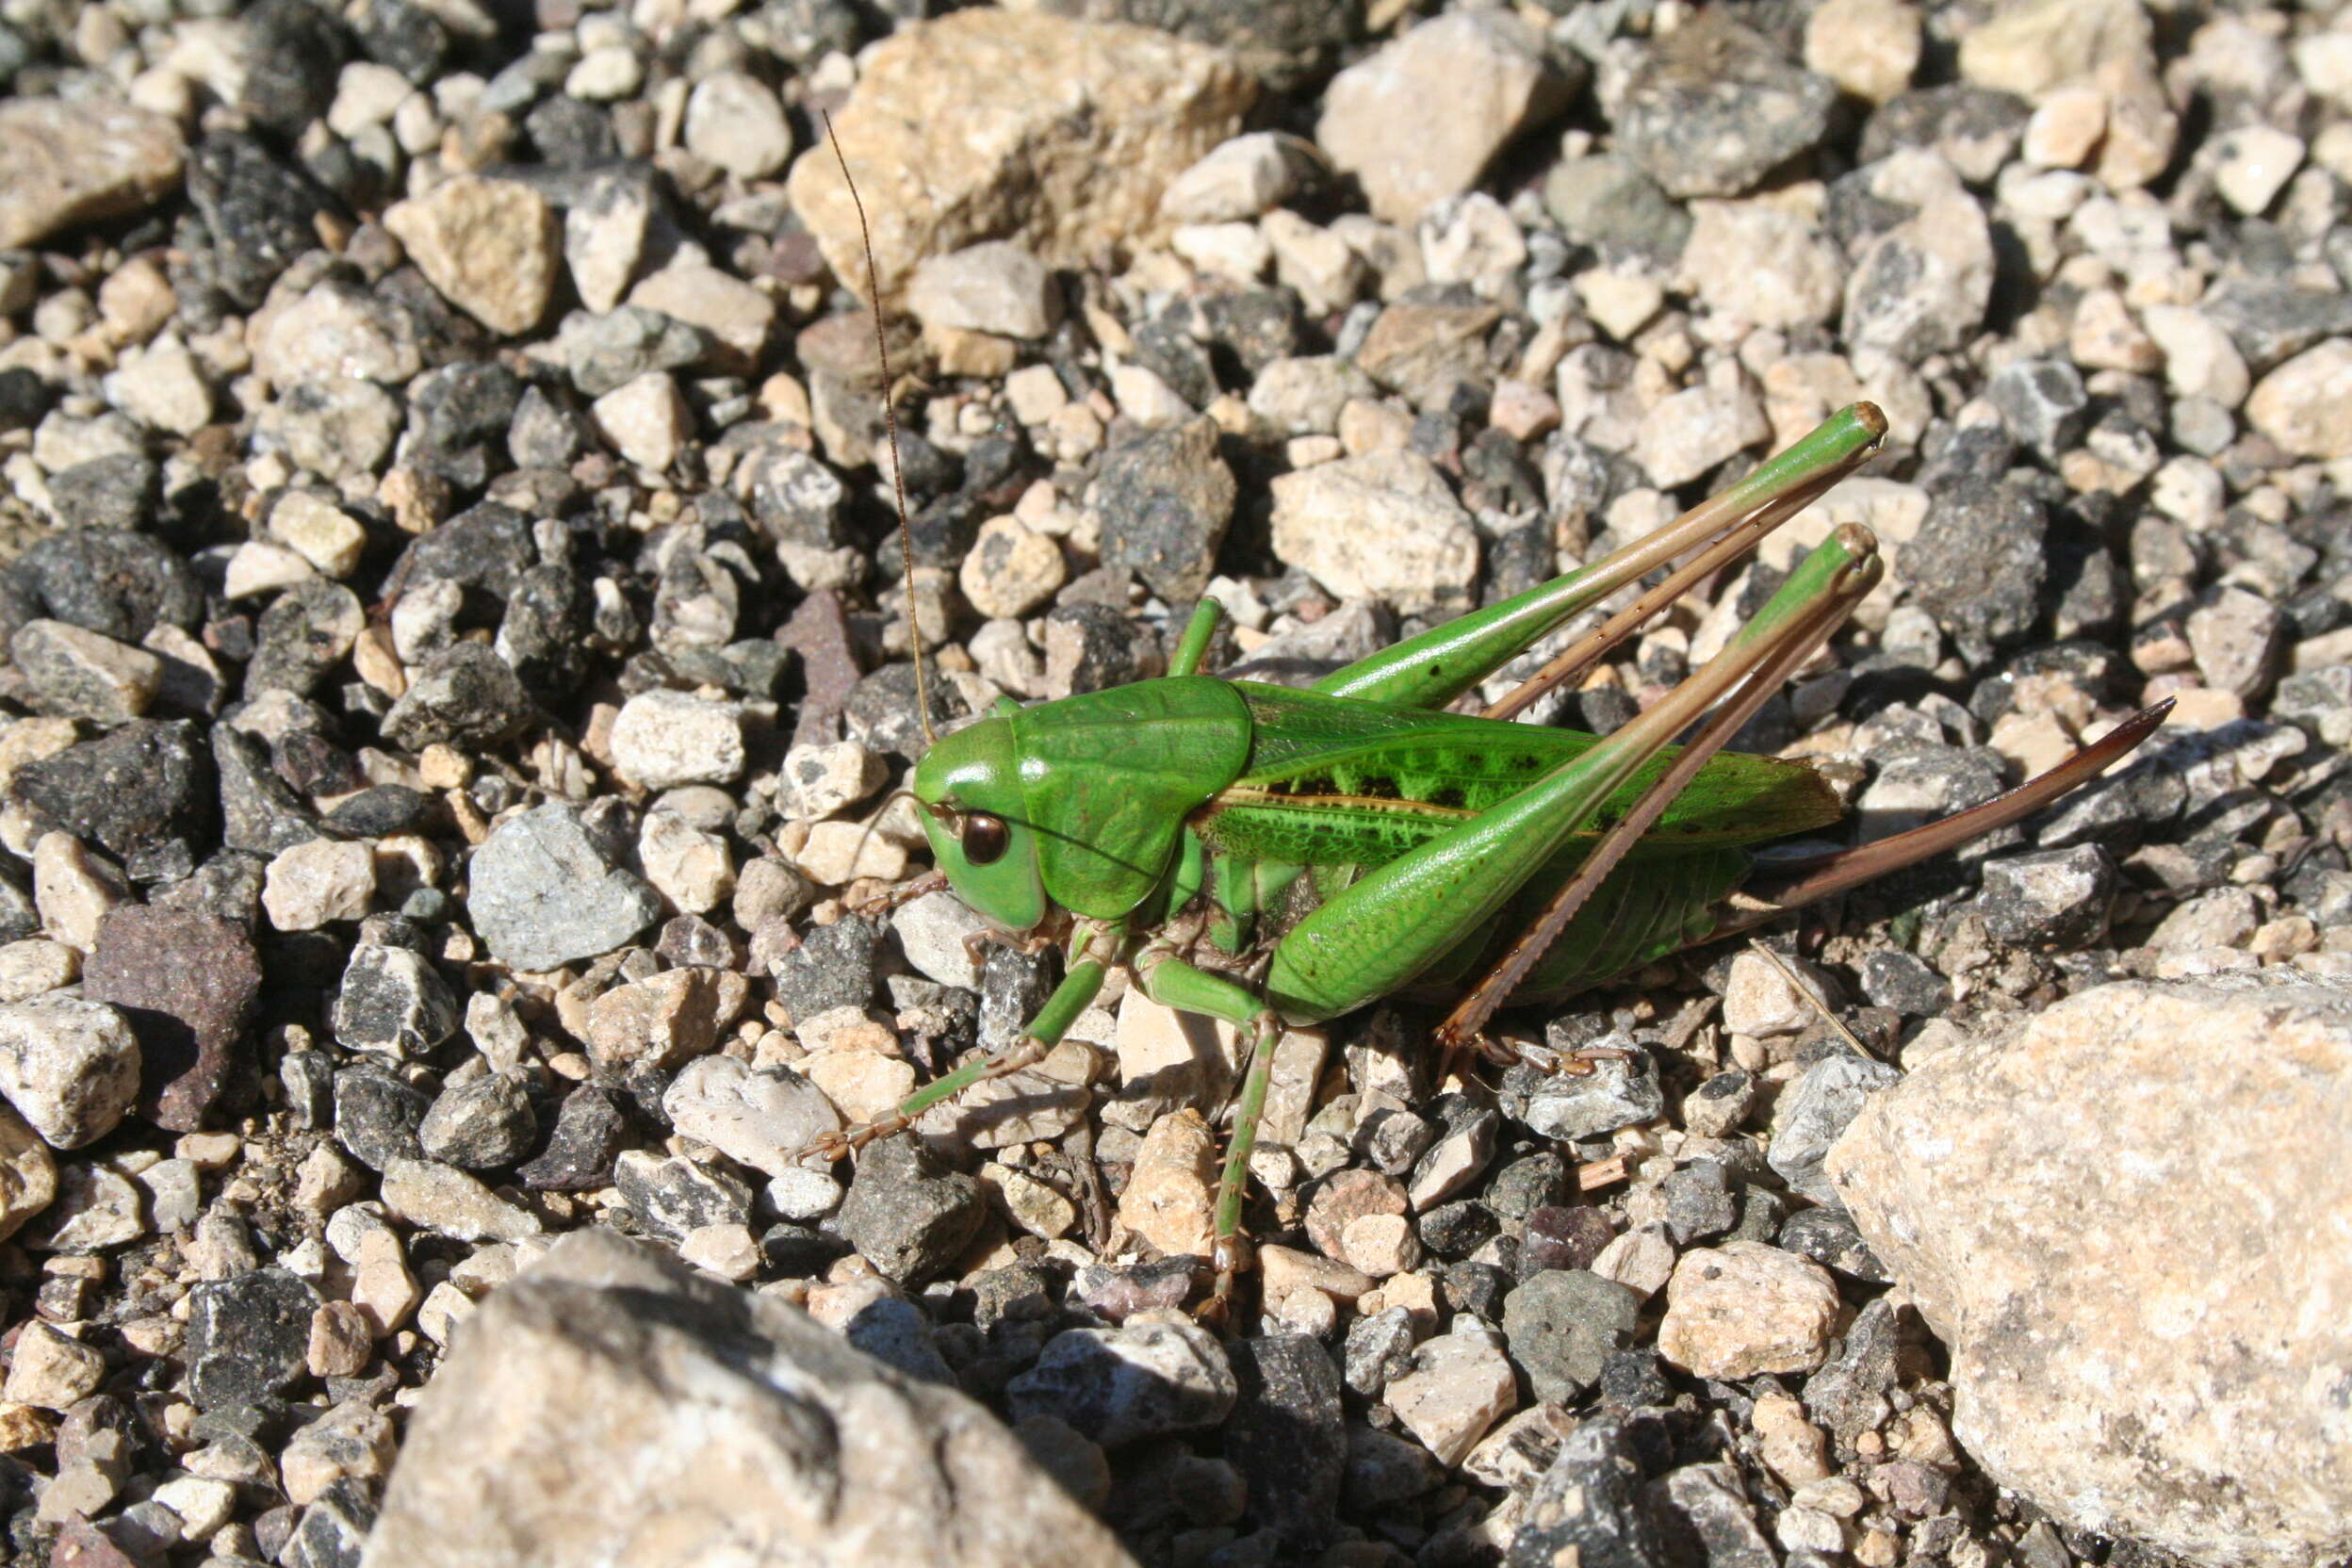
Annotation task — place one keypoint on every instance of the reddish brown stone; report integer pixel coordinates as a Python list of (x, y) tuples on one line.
[(819, 632), (1347, 1195), (187, 981), (82, 1545)]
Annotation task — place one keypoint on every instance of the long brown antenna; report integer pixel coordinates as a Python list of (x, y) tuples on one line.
[(890, 425)]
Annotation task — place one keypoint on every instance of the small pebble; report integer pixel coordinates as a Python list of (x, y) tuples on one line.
[(1746, 1308)]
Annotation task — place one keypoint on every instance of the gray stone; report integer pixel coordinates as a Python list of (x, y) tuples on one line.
[(932, 931), (2051, 898), (479, 1125), (393, 1001), (792, 1437), (1903, 982), (1922, 286), (1286, 1435), (1974, 129), (1813, 1112), (2236, 637), (2042, 402), (1715, 107), (464, 695), (906, 1214), (1562, 1324), (674, 1197), (1979, 561), (96, 1209), (1604, 200), (588, 1133), (763, 1119), (337, 427), (71, 1068), (1117, 1386), (1712, 1503), (543, 892), (1590, 1506), (249, 1337), (117, 491), (1700, 1203), (1848, 1392), (82, 675), (1616, 1094), (1828, 1237), (1166, 499), (376, 1115), (606, 352), (834, 965)]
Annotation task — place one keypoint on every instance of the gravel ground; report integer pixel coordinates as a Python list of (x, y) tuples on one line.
[(458, 667)]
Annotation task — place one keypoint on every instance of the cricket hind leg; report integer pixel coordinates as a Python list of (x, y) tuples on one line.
[(1431, 670), (1171, 982), (1809, 607)]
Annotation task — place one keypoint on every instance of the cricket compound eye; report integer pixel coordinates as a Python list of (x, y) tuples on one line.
[(983, 838)]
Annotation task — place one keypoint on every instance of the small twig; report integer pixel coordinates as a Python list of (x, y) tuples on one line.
[(1602, 1173), (1094, 1203), (1688, 1022), (1796, 982)]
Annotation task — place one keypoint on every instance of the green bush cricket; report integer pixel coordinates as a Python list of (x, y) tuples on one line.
[(1265, 855)]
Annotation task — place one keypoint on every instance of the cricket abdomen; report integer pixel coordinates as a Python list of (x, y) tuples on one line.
[(1335, 782)]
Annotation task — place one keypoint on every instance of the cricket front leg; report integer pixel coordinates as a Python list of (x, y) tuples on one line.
[(1095, 946), (1173, 983)]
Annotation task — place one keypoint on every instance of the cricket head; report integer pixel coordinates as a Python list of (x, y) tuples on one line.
[(973, 812)]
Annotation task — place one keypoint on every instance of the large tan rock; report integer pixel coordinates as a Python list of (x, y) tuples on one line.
[(988, 124), (2130, 1226), (62, 164), (607, 1407)]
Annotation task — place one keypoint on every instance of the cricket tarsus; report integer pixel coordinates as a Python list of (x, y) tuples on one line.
[(1126, 818)]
